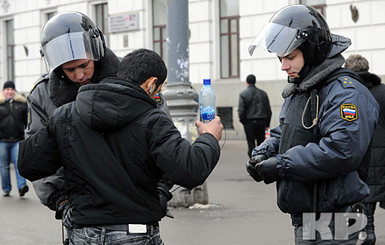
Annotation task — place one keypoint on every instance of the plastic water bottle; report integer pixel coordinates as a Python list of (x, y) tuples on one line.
[(207, 102)]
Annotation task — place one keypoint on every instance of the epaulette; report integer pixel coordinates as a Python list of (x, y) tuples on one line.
[(42, 78), (346, 82)]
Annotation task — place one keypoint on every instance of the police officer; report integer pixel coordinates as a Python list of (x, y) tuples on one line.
[(326, 124), (76, 54)]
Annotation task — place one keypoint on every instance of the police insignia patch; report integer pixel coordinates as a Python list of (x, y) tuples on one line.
[(158, 99), (349, 112)]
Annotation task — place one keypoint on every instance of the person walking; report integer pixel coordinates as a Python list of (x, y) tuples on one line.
[(254, 113), (317, 154), (376, 174), (13, 119), (115, 146)]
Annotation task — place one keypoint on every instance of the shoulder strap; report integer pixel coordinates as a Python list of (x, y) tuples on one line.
[(42, 78), (343, 72)]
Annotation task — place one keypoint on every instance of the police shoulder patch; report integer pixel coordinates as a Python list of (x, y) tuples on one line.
[(347, 82), (158, 100), (349, 112)]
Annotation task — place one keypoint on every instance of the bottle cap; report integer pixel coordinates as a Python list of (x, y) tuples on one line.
[(206, 81)]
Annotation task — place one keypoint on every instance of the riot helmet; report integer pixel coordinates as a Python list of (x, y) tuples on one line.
[(70, 36), (296, 26)]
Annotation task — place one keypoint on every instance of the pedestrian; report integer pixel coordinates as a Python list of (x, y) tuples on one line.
[(376, 174), (115, 145), (254, 113), (13, 119), (317, 153)]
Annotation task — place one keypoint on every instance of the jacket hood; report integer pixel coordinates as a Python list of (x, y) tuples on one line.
[(63, 91), (18, 97), (112, 103), (370, 79)]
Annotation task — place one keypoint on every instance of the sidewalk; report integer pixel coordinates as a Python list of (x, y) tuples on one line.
[(242, 212)]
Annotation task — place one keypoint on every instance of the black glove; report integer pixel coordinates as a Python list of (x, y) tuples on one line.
[(164, 197), (64, 212), (267, 170), (250, 167)]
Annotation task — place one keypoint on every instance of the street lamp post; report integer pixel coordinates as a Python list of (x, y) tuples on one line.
[(182, 99)]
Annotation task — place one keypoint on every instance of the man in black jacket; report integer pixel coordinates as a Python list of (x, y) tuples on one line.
[(13, 119), (254, 113), (376, 176), (115, 145)]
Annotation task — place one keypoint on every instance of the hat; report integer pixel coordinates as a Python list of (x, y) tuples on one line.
[(250, 79), (9, 84)]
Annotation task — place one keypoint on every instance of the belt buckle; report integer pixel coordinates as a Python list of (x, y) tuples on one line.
[(136, 228)]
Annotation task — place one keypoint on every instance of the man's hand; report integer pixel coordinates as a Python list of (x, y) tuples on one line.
[(267, 170), (251, 169), (214, 127)]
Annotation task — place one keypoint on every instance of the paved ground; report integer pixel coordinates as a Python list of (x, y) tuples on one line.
[(242, 212)]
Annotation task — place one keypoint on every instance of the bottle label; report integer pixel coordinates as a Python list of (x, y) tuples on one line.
[(207, 114)]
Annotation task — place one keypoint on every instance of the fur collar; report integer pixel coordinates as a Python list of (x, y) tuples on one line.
[(18, 98), (64, 91), (316, 75)]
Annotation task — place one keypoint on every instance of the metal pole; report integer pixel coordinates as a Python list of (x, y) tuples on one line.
[(182, 99)]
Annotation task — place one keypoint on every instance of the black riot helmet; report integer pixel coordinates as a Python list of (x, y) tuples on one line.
[(70, 36), (303, 27)]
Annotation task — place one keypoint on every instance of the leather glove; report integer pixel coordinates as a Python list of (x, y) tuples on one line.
[(250, 167), (64, 212), (164, 197), (267, 170)]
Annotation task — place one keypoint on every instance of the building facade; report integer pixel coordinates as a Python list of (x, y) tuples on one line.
[(220, 32)]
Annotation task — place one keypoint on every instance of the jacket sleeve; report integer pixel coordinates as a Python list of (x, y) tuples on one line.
[(38, 156), (268, 110), (241, 109), (344, 141), (183, 163), (47, 188)]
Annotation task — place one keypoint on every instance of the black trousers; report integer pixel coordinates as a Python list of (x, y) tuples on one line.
[(255, 131)]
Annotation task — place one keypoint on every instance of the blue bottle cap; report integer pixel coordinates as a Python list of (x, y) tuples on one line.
[(206, 81)]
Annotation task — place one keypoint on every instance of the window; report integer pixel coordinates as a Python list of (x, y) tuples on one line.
[(226, 115), (49, 15), (10, 42), (101, 20), (159, 17), (317, 4), (229, 38)]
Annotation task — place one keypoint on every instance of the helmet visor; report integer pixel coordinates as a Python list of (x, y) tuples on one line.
[(68, 47), (278, 39)]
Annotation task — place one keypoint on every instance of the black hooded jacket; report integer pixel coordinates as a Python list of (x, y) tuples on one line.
[(115, 145)]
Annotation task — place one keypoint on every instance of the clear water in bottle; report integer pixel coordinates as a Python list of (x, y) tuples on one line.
[(207, 102)]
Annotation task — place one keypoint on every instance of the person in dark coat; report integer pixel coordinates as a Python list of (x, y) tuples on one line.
[(115, 146), (254, 113), (316, 154), (13, 119), (376, 177)]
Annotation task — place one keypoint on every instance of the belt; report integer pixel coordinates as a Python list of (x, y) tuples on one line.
[(133, 228)]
